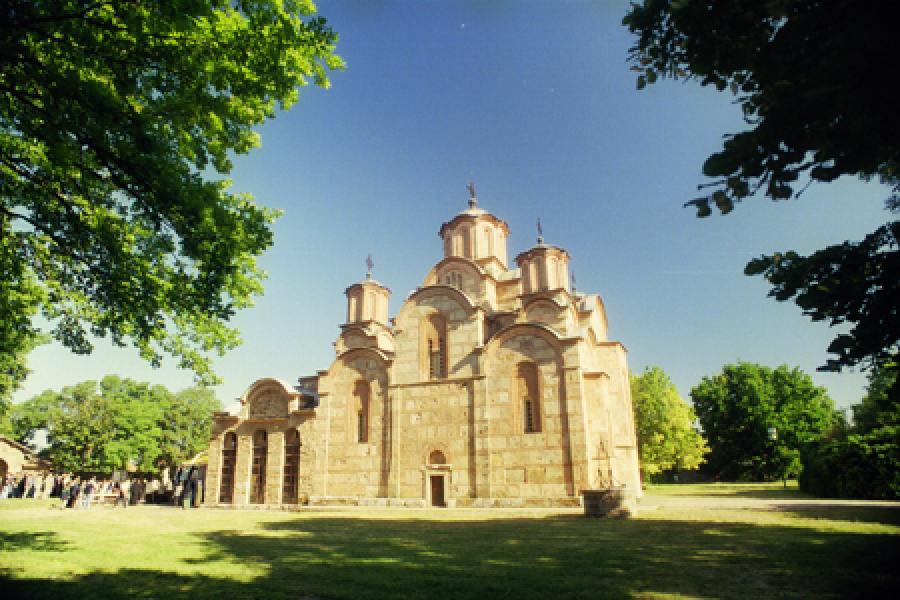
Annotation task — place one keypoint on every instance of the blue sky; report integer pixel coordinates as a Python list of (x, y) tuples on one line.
[(534, 102)]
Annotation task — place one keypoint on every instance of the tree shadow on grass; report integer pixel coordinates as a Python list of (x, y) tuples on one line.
[(362, 558), (39, 541)]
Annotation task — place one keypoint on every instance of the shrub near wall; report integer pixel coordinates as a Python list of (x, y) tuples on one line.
[(857, 466)]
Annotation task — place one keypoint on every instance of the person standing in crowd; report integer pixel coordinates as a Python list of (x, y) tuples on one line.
[(64, 494), (86, 492), (134, 492), (7, 485), (119, 491), (195, 487), (186, 492), (74, 492), (125, 486), (179, 488)]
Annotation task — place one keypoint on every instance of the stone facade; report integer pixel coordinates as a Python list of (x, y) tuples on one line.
[(492, 386)]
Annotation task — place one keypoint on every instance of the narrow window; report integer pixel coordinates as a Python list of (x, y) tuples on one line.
[(467, 242), (434, 347), (529, 397), (361, 398)]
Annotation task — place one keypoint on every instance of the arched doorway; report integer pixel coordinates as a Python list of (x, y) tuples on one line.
[(436, 474), (229, 459), (291, 475), (258, 469)]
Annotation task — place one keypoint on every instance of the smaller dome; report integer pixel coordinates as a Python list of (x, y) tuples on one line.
[(475, 234)]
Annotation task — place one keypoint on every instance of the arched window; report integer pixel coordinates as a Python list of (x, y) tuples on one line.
[(454, 278), (229, 458), (258, 470), (291, 466), (351, 309), (434, 347), (488, 242), (361, 402), (437, 458), (528, 396), (457, 243)]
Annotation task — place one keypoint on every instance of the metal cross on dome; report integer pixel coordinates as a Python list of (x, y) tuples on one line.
[(369, 264), (472, 199)]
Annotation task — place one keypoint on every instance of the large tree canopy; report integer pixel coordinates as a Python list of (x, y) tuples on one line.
[(116, 423), (808, 74), (666, 425), (115, 118), (812, 78), (739, 410)]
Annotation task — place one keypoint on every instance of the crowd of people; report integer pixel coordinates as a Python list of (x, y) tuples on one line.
[(74, 491)]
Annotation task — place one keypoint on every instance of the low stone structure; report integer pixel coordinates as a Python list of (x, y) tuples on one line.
[(618, 502), (14, 457), (492, 386)]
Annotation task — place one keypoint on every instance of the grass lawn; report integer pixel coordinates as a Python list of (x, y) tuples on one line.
[(737, 541)]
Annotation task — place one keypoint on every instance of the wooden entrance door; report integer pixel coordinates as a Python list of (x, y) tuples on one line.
[(258, 470), (291, 467), (437, 490), (229, 458)]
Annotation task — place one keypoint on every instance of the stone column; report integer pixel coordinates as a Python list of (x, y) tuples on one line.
[(242, 468), (274, 465), (481, 432), (571, 385), (213, 471)]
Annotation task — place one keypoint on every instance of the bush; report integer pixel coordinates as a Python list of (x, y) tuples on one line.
[(855, 466)]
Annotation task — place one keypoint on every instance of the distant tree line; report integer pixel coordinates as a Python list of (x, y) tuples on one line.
[(755, 423), (116, 424)]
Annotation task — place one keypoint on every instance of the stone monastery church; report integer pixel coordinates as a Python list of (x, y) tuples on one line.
[(492, 386)]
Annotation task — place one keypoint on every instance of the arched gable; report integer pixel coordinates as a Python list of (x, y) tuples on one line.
[(562, 317), (268, 382), (269, 398), (416, 298), (352, 354), (592, 315), (525, 329), (466, 265)]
